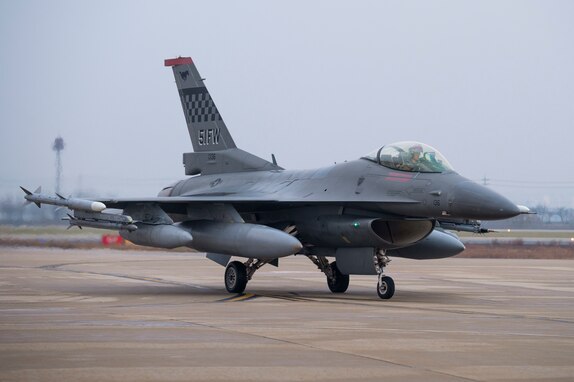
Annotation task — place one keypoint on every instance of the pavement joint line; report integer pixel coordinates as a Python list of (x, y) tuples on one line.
[(239, 297), (473, 282), (391, 305), (473, 333), (314, 347), (449, 331), (332, 300), (57, 268)]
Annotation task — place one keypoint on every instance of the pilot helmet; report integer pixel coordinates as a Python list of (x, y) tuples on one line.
[(416, 149)]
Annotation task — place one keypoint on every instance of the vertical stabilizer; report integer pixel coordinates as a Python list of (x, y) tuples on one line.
[(206, 127)]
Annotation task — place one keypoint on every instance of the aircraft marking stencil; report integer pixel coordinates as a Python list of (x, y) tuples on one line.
[(404, 199)]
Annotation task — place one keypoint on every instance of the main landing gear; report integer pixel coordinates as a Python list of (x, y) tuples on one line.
[(237, 274), (337, 282)]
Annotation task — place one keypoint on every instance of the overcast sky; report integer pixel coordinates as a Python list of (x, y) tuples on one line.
[(488, 83)]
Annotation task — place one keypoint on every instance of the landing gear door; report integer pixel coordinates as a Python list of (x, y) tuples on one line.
[(356, 261)]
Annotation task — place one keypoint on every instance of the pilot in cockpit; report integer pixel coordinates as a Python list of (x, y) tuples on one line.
[(415, 162), (410, 156)]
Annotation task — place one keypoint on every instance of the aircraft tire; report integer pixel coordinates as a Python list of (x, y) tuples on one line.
[(386, 287), (235, 277), (340, 282)]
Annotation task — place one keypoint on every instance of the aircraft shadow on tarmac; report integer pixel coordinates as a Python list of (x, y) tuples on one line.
[(155, 286), (220, 295)]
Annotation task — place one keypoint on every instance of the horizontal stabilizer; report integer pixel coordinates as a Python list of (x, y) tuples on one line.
[(226, 161)]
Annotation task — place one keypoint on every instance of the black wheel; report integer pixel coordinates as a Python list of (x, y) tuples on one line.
[(235, 277), (386, 287), (339, 282)]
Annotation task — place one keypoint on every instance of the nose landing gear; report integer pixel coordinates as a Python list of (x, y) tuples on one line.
[(385, 284), (339, 282), (385, 287)]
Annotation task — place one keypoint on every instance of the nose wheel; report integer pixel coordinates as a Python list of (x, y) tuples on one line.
[(386, 285)]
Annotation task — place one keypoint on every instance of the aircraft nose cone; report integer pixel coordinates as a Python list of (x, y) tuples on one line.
[(473, 201)]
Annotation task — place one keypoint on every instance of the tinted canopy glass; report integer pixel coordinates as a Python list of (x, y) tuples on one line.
[(410, 156)]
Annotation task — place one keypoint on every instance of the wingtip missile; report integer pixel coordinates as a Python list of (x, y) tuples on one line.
[(71, 203), (29, 193)]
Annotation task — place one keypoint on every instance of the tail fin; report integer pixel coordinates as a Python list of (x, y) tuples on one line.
[(214, 149), (206, 127)]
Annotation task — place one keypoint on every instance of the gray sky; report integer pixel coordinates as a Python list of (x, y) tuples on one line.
[(488, 83)]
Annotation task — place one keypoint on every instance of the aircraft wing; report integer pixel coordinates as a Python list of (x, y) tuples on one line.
[(93, 207), (219, 198), (98, 204), (228, 205)]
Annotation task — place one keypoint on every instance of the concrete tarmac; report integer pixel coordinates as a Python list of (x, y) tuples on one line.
[(97, 315)]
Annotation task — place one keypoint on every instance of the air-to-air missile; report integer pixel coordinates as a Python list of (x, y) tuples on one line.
[(240, 239), (83, 218), (72, 203), (87, 213)]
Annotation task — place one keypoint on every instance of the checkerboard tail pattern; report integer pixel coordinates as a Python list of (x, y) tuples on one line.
[(198, 105)]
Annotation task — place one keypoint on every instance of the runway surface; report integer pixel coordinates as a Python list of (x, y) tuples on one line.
[(96, 315)]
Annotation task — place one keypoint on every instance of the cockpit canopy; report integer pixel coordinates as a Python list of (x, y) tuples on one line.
[(410, 156)]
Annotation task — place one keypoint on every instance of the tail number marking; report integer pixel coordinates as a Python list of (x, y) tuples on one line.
[(207, 137)]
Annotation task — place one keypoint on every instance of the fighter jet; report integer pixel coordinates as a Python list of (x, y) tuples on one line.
[(401, 200)]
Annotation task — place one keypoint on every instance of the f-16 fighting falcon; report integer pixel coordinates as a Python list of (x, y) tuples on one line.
[(403, 199)]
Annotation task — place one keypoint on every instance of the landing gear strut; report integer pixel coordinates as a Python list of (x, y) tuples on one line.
[(337, 282), (237, 274), (385, 285)]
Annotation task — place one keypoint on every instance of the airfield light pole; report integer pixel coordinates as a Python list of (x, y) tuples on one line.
[(58, 146)]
